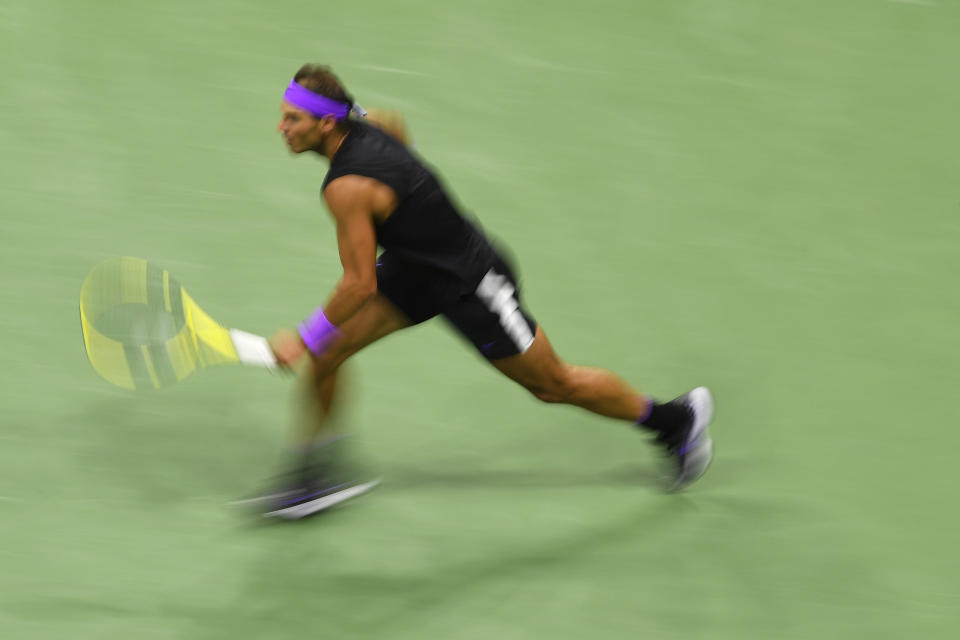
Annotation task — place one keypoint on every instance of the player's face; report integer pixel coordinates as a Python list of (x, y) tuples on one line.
[(301, 131)]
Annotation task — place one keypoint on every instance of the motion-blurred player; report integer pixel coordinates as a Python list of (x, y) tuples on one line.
[(435, 262)]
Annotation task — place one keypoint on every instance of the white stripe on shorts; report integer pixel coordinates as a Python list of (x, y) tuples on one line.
[(496, 291)]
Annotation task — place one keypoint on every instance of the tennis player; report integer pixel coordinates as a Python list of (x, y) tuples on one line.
[(435, 262)]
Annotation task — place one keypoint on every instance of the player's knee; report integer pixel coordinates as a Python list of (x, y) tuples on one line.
[(538, 392), (547, 396), (556, 387)]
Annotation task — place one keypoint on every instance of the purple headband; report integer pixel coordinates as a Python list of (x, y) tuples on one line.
[(317, 105)]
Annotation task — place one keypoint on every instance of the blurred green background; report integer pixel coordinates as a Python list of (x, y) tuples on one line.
[(758, 196)]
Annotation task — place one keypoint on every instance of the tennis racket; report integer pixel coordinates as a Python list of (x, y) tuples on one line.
[(142, 330)]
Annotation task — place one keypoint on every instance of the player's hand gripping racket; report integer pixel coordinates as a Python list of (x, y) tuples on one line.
[(143, 331)]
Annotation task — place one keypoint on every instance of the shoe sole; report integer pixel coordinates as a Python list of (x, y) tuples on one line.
[(264, 499), (696, 461), (304, 509)]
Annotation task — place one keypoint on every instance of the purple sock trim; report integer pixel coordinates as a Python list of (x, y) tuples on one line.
[(318, 332), (646, 413)]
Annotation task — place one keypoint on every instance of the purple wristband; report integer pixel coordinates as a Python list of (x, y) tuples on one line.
[(318, 332)]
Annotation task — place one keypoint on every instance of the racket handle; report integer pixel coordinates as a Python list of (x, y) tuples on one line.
[(253, 349)]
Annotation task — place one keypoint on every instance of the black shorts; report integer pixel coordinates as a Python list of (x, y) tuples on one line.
[(489, 316)]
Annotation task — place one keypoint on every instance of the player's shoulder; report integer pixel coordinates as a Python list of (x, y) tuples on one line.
[(351, 194), (350, 186)]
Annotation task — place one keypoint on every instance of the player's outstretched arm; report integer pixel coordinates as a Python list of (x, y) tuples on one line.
[(351, 204)]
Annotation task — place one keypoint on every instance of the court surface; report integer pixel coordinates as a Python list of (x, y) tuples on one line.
[(757, 196)]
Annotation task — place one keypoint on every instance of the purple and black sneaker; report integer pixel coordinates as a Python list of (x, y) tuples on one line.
[(319, 481), (314, 498), (689, 447)]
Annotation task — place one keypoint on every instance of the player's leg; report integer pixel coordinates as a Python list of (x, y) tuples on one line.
[(404, 298), (680, 425), (494, 321), (321, 477), (377, 319), (550, 379), (318, 476)]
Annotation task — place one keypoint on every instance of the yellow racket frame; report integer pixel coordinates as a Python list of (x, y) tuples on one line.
[(150, 362)]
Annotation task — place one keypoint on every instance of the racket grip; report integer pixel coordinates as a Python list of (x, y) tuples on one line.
[(253, 349)]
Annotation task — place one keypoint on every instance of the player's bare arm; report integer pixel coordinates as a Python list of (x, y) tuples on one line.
[(354, 202)]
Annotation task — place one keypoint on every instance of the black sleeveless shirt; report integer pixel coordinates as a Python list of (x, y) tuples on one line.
[(425, 229)]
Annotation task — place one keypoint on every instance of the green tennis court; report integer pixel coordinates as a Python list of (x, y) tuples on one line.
[(757, 196)]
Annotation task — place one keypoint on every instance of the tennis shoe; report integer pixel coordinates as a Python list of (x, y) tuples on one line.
[(689, 447), (317, 481), (316, 496)]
